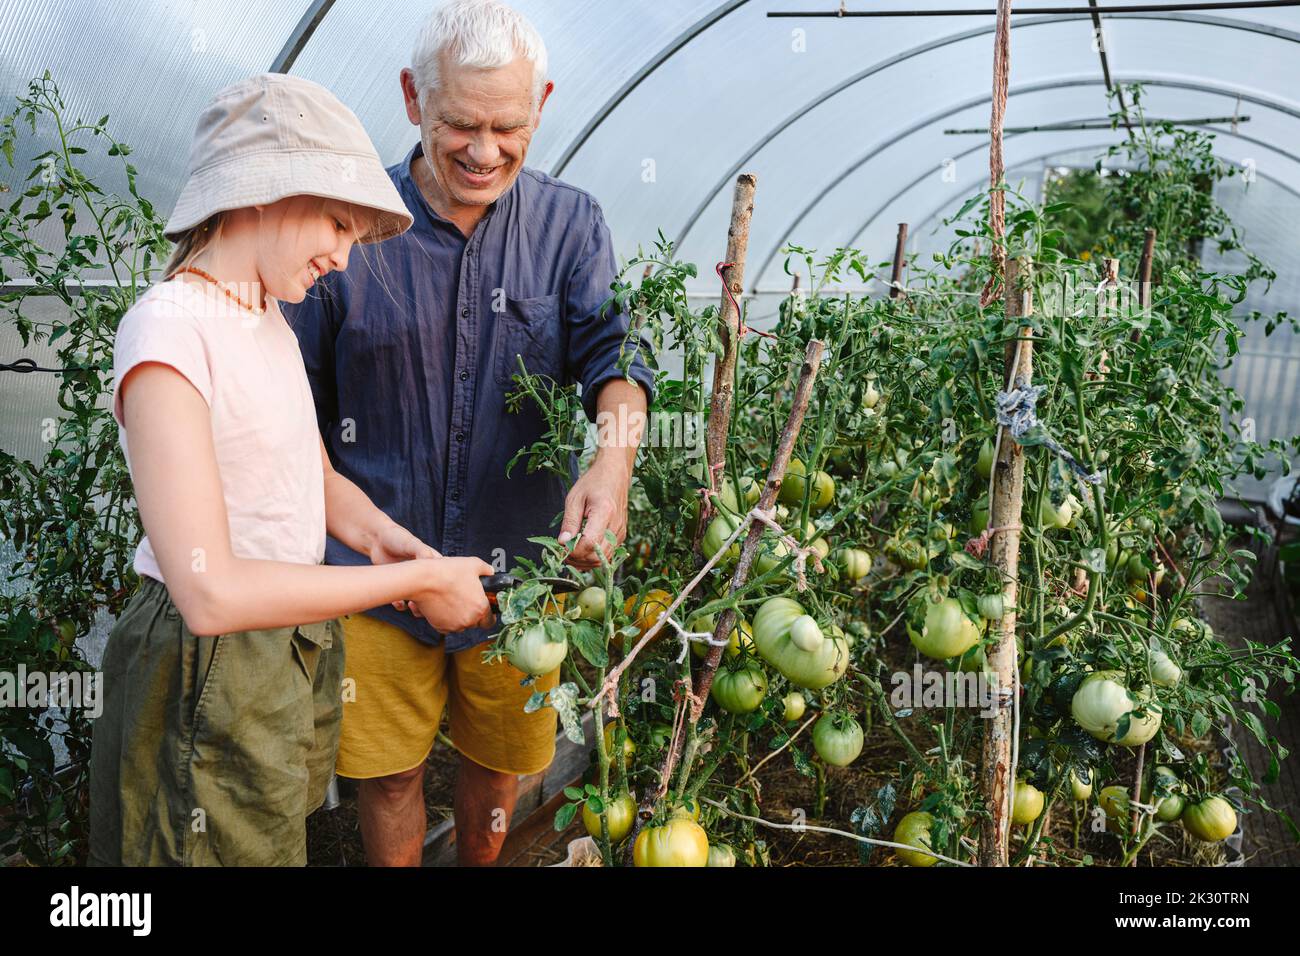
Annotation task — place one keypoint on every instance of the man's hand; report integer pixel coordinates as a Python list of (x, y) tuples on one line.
[(597, 501), (394, 543)]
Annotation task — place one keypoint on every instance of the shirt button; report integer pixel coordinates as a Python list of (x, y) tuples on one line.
[(464, 313), (455, 496), (460, 436), (464, 375)]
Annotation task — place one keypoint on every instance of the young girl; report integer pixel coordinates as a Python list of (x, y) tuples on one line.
[(222, 677)]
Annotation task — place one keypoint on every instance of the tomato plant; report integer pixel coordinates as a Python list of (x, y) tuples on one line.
[(890, 477)]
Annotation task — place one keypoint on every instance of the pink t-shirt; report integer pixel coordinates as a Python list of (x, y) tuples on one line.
[(250, 372)]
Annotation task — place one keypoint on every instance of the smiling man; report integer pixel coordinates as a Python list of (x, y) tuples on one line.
[(410, 353)]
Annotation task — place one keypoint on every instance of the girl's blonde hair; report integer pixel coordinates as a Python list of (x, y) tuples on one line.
[(192, 242)]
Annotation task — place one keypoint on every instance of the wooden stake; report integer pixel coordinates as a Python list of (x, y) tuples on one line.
[(767, 500), (1004, 518), (1110, 290), (1136, 821), (896, 278), (748, 554), (724, 371), (1144, 269)]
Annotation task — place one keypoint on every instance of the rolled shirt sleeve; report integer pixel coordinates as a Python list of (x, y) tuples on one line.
[(597, 342)]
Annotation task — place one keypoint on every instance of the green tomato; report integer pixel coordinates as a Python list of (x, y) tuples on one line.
[(773, 642), (1114, 802), (720, 529), (688, 808), (843, 460), (1080, 789), (914, 830), (741, 635), (629, 748), (823, 491), (532, 651), (1171, 808), (727, 494), (620, 811), (1138, 569), (822, 546), (67, 632), (1101, 701), (908, 553), (946, 631), (679, 842), (750, 489), (984, 464), (659, 735), (721, 855), (794, 484), (974, 661), (1163, 669), (870, 396), (1168, 785), (741, 688), (1191, 628), (591, 604), (854, 562), (795, 705), (837, 738), (771, 552), (858, 631), (992, 606), (1026, 803), (1050, 516), (1211, 820), (979, 516)]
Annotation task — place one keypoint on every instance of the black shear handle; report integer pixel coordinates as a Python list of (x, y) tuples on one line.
[(495, 583)]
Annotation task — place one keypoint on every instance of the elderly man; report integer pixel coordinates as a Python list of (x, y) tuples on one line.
[(410, 353)]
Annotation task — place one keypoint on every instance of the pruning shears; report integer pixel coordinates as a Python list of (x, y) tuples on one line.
[(493, 584)]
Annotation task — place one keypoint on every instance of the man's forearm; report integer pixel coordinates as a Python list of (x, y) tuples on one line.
[(350, 516), (620, 422)]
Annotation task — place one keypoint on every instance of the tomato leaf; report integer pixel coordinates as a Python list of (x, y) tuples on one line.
[(589, 639), (564, 816)]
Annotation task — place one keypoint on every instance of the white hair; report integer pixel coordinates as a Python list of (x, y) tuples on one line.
[(484, 34)]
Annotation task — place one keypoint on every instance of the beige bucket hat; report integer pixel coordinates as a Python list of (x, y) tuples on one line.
[(272, 136)]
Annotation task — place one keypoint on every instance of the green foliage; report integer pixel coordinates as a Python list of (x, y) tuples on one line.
[(70, 515), (903, 402)]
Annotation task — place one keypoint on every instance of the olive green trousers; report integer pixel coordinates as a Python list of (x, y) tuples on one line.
[(211, 751)]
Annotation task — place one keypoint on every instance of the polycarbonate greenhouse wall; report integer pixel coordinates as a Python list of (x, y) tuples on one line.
[(658, 105)]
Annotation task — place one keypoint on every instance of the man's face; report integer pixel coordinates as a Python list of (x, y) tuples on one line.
[(475, 128)]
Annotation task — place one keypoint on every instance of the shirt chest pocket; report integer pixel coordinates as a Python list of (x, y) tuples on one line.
[(531, 330)]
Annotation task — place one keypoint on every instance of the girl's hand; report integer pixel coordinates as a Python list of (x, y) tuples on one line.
[(394, 543), (452, 598)]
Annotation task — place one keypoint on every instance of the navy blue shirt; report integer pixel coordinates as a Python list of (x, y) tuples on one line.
[(410, 351)]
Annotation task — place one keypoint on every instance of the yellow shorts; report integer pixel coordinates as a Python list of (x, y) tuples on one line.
[(394, 692)]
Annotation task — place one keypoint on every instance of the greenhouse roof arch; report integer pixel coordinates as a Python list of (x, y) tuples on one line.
[(788, 233), (708, 88), (1188, 17)]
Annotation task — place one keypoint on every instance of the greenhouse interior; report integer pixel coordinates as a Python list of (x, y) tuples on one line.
[(878, 416)]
